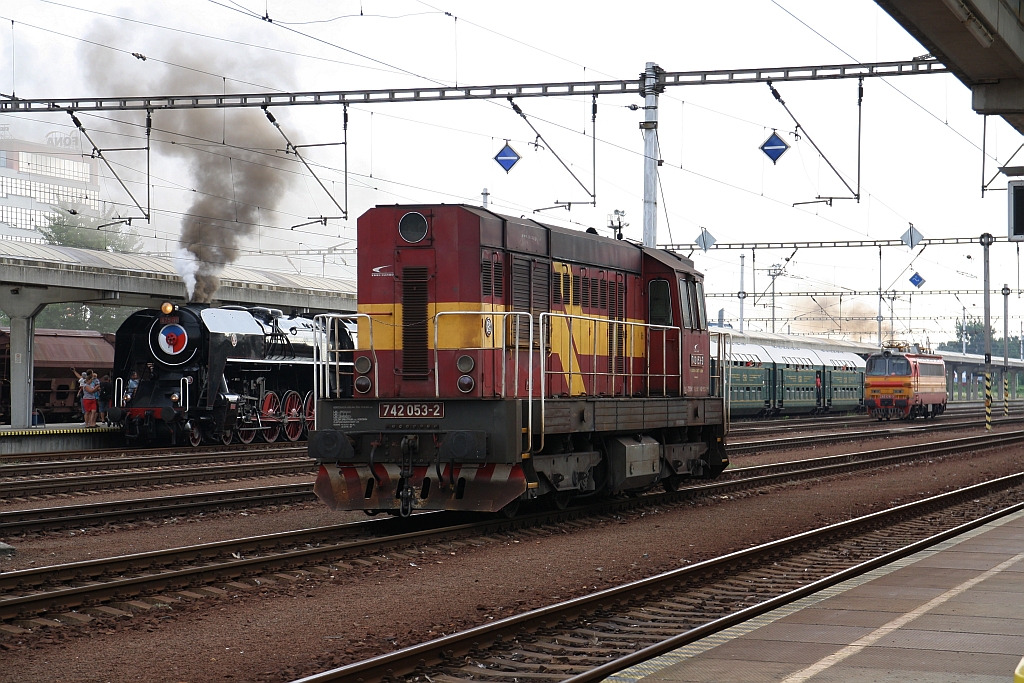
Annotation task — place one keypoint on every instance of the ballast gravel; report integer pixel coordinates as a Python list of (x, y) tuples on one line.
[(280, 631)]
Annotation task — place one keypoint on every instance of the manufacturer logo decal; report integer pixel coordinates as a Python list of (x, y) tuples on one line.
[(234, 339), (379, 272), (172, 339)]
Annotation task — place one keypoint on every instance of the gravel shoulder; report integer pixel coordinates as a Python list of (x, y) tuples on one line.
[(278, 632)]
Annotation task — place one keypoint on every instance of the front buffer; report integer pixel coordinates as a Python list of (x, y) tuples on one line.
[(476, 488), (402, 456)]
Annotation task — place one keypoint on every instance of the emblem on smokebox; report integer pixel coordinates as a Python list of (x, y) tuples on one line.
[(172, 339)]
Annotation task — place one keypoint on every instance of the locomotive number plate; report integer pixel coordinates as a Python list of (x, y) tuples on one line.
[(428, 410), (696, 360)]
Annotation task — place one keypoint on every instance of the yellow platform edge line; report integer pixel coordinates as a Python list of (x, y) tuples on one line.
[(1018, 674), (57, 432)]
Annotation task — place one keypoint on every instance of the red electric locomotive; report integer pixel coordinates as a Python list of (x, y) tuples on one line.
[(904, 383), (500, 359)]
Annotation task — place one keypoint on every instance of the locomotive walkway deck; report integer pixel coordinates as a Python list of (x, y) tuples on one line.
[(954, 612)]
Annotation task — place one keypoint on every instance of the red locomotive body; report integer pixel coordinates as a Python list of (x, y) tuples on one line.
[(904, 385), (502, 359)]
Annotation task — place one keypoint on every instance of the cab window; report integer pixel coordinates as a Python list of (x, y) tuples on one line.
[(684, 304), (702, 318), (660, 303), (879, 366)]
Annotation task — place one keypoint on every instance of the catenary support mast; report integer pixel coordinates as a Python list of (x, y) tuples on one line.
[(650, 128)]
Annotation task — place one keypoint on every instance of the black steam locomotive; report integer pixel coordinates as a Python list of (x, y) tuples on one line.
[(201, 374)]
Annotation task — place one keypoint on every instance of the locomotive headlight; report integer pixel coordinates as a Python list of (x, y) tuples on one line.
[(465, 364), (363, 364), (175, 397), (167, 308), (363, 384), (466, 384)]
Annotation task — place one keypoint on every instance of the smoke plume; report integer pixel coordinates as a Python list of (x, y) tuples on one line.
[(233, 186), (186, 265), (829, 309)]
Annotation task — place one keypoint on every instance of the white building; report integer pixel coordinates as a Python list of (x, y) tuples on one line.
[(35, 177)]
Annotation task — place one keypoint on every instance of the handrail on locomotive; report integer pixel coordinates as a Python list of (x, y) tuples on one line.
[(328, 363), (493, 336), (327, 358)]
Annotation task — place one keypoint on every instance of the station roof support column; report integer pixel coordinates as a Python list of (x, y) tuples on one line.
[(22, 304)]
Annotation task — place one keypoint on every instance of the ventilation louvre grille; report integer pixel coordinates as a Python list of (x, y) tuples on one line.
[(414, 323)]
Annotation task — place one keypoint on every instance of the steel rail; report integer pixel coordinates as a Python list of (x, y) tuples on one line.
[(394, 665), (760, 445), (225, 561), (107, 512), (36, 469), (96, 453), (75, 516), (91, 482)]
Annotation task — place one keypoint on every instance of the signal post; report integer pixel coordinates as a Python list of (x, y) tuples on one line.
[(986, 241)]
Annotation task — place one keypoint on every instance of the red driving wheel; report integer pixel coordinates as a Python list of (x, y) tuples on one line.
[(293, 417), (270, 416), (246, 435), (309, 412)]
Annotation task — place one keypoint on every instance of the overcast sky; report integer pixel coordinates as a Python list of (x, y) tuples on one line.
[(921, 140)]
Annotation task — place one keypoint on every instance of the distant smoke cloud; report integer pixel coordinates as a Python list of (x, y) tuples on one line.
[(231, 193), (808, 309)]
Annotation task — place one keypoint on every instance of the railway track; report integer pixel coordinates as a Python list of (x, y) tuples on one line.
[(51, 590), (82, 515), (759, 445), (856, 421), (178, 459), (20, 488), (113, 512), (954, 410), (589, 638), (107, 453)]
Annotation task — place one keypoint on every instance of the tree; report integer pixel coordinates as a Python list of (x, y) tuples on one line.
[(68, 228), (974, 333)]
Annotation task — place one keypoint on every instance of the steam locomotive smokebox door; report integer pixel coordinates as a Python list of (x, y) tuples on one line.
[(632, 462)]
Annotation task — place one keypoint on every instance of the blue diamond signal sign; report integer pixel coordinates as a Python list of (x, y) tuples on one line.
[(507, 157), (916, 280), (774, 147)]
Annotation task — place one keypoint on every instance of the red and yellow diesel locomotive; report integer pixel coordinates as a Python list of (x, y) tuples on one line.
[(500, 359), (903, 383)]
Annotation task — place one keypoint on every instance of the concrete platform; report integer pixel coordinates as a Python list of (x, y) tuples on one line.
[(953, 613), (69, 436)]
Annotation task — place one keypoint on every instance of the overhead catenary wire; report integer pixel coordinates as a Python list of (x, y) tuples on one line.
[(216, 38), (662, 189), (908, 97)]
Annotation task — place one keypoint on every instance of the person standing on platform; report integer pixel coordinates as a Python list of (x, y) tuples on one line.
[(82, 378), (90, 397)]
